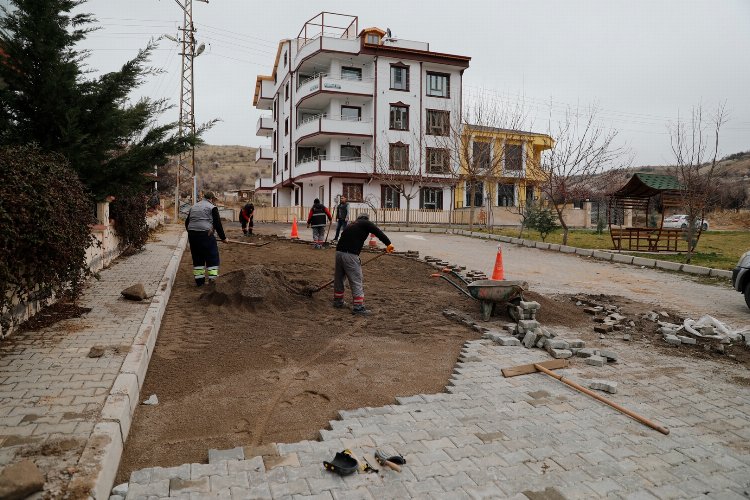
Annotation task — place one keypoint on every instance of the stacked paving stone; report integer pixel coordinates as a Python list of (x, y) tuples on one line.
[(607, 317), (466, 276)]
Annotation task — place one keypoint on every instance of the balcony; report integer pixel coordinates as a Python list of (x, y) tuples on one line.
[(333, 125), (264, 91), (333, 164), (263, 153), (264, 127), (263, 184), (308, 47), (315, 92)]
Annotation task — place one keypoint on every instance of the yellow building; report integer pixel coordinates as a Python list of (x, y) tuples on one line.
[(503, 164)]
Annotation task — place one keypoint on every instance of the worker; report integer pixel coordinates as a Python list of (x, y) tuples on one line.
[(246, 219), (317, 220), (342, 216), (349, 265), (202, 223)]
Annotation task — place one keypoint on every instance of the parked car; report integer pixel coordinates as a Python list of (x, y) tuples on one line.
[(681, 222), (741, 277)]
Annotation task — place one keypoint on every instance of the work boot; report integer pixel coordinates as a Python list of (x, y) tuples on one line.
[(360, 310), (339, 303)]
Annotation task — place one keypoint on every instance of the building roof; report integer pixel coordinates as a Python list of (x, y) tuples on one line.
[(483, 128), (643, 185)]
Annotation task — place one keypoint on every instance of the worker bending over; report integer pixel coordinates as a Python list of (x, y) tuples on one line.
[(349, 265)]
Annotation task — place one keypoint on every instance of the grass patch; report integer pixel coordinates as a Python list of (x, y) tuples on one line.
[(717, 249)]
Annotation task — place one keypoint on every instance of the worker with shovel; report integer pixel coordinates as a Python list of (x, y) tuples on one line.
[(349, 265), (246, 219), (202, 222)]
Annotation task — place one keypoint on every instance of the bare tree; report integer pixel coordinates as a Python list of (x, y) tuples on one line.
[(477, 158), (582, 150), (237, 180), (400, 169), (695, 145)]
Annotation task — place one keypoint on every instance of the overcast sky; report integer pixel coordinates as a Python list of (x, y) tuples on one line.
[(641, 61)]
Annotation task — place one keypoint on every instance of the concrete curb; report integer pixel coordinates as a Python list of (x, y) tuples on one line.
[(100, 460), (618, 258)]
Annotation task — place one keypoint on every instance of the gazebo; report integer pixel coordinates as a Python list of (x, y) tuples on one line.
[(634, 205)]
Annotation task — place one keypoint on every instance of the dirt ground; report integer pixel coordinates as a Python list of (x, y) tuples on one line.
[(254, 362)]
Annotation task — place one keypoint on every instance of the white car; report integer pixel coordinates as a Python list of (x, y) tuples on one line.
[(681, 222)]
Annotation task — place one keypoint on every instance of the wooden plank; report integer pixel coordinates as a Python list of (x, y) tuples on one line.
[(552, 364)]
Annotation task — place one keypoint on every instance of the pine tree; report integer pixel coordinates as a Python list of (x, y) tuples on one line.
[(49, 98)]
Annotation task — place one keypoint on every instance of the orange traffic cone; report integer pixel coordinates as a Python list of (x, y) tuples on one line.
[(373, 243), (498, 273), (295, 233)]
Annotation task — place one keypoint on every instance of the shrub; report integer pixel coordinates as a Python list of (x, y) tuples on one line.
[(600, 225), (45, 218), (542, 220), (129, 214)]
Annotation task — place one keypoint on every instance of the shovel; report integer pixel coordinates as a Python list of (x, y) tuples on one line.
[(309, 291)]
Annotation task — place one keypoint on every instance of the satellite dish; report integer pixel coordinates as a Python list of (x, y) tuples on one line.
[(200, 50), (388, 32)]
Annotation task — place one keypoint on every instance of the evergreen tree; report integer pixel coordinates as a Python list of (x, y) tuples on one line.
[(50, 99)]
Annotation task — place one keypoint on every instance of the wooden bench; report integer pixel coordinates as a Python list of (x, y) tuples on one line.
[(647, 239)]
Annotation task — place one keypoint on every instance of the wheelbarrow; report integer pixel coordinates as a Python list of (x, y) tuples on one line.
[(488, 292)]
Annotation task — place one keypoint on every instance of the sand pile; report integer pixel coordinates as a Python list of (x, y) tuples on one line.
[(254, 285)]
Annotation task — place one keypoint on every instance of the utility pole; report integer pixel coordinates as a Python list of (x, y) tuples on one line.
[(186, 124)]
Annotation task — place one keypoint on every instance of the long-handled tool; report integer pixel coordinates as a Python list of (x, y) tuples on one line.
[(329, 223), (442, 276), (249, 244), (546, 367), (311, 290)]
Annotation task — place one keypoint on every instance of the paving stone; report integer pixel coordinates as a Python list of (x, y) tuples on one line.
[(557, 344), (559, 353), (529, 340), (603, 328), (237, 453), (603, 385), (508, 341), (610, 355), (672, 340), (595, 361), (686, 340), (586, 352)]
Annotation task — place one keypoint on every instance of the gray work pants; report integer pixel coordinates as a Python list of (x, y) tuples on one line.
[(348, 265), (319, 233)]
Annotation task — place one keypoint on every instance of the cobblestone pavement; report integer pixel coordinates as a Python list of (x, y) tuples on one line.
[(495, 437), (51, 392)]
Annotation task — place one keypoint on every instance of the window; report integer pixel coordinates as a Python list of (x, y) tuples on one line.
[(399, 116), (438, 161), (286, 126), (438, 122), (351, 153), (286, 161), (390, 197), (286, 91), (285, 58), (478, 194), (438, 84), (399, 156), (431, 198), (351, 113), (306, 154), (275, 172), (348, 73), (399, 77), (371, 38), (274, 141), (353, 192), (481, 154), (514, 157), (506, 195), (275, 106)]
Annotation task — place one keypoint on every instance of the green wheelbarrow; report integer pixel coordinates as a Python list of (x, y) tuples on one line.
[(488, 292)]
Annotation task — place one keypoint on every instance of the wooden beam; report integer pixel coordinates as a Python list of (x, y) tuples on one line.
[(552, 364)]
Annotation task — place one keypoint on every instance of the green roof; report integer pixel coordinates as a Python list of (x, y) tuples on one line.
[(659, 182), (648, 185)]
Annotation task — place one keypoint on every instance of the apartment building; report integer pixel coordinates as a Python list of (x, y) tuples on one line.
[(355, 112)]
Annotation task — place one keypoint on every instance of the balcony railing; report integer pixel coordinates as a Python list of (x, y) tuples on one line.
[(352, 119), (339, 76)]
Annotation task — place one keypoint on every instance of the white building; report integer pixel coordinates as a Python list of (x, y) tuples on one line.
[(350, 108)]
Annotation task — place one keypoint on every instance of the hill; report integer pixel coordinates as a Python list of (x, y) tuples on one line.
[(224, 168)]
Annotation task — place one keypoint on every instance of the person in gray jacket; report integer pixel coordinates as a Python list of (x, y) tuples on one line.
[(202, 223)]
